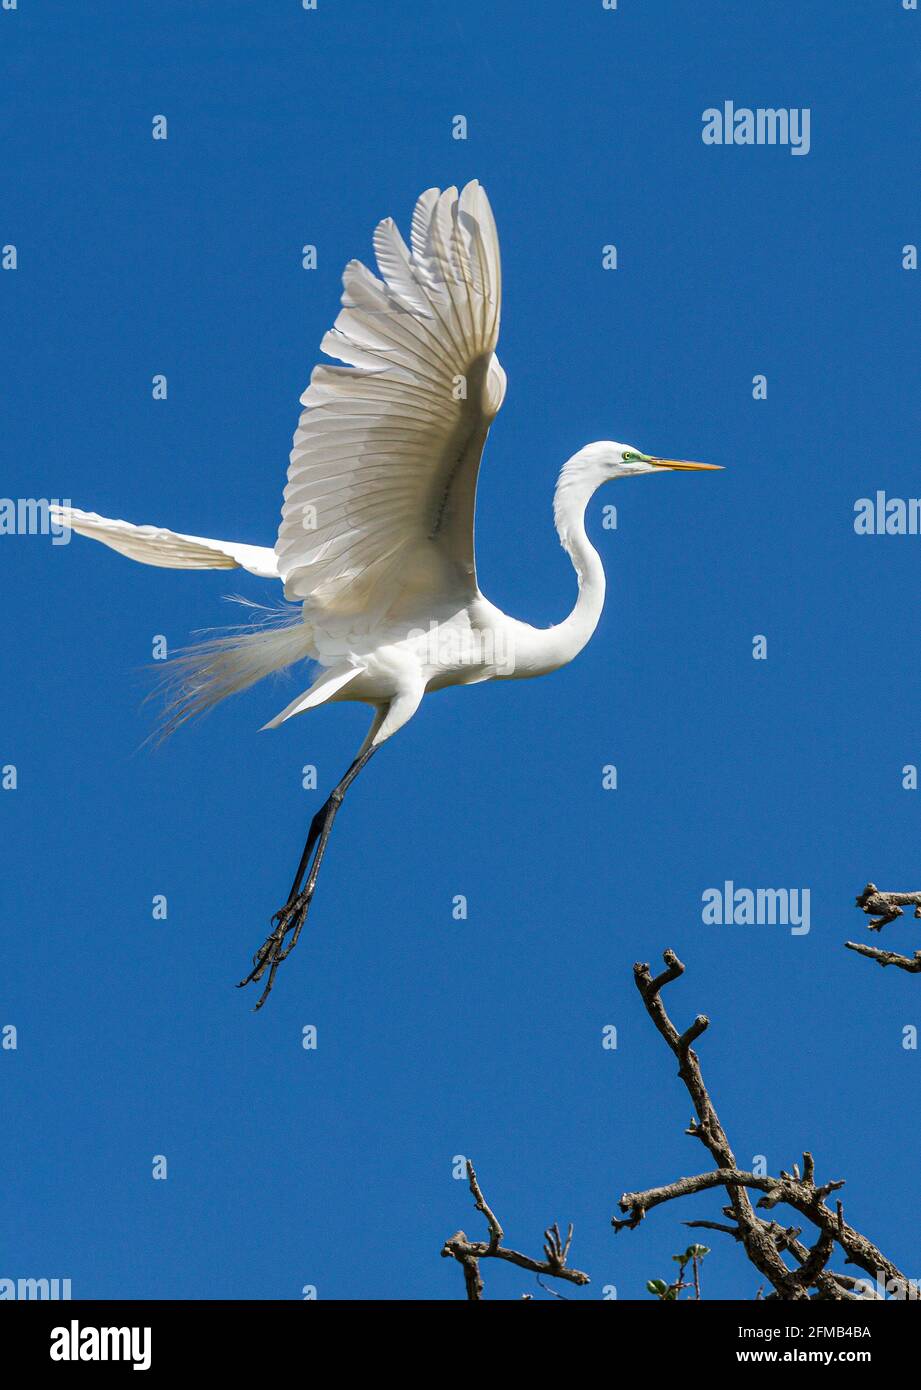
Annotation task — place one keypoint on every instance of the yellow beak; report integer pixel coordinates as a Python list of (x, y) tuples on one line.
[(682, 463)]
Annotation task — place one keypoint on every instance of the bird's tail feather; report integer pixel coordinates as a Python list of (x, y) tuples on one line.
[(324, 688), (202, 675)]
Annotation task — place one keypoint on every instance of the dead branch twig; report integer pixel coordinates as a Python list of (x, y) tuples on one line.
[(468, 1253), (910, 963), (887, 906), (764, 1241)]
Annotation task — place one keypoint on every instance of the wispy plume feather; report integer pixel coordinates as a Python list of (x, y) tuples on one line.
[(202, 675)]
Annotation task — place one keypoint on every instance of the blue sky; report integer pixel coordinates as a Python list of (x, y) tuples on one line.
[(436, 1037)]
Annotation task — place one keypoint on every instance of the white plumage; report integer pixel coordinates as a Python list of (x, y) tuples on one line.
[(387, 450), (153, 545), (376, 541)]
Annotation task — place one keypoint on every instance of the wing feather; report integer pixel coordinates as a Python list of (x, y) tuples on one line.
[(379, 506), (154, 545)]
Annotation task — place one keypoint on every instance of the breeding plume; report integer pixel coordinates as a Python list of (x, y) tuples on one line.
[(375, 547)]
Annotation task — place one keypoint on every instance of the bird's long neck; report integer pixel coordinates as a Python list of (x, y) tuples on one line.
[(574, 489)]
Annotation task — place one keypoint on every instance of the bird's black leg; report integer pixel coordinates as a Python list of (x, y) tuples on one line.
[(289, 920)]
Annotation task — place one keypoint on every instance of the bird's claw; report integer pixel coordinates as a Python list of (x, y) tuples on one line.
[(287, 921)]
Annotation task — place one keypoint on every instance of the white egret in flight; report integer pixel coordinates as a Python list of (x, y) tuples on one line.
[(375, 545)]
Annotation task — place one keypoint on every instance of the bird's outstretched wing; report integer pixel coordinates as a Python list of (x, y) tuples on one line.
[(378, 510), (153, 545)]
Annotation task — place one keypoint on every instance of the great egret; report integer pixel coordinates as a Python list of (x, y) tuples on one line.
[(375, 544)]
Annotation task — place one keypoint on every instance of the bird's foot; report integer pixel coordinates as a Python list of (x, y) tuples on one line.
[(287, 922)]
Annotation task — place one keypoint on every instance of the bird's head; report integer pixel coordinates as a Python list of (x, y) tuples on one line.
[(624, 461)]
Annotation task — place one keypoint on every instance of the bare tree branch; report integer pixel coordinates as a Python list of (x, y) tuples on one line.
[(910, 963), (887, 906), (496, 1233), (829, 1285), (764, 1241), (758, 1246), (468, 1253)]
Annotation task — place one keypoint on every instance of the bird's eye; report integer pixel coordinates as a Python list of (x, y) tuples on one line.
[(630, 457)]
